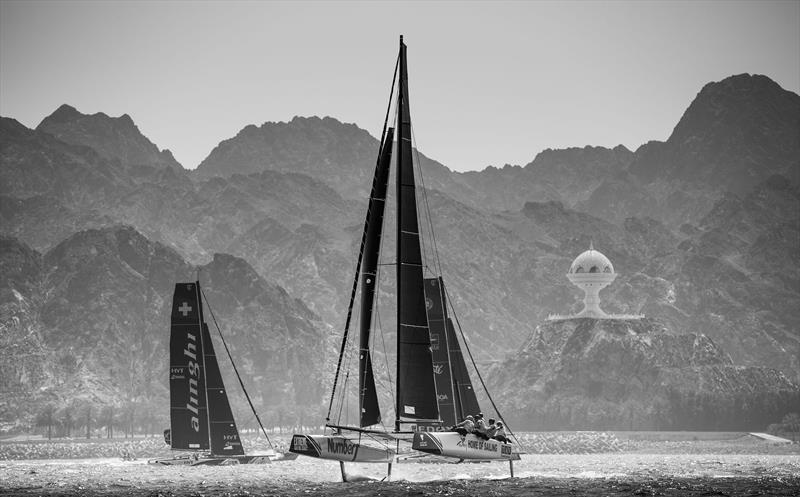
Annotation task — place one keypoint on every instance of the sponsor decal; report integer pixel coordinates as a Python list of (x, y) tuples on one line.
[(505, 450), (340, 446), (486, 445), (299, 443), (441, 396), (438, 368), (409, 409), (194, 373), (436, 427), (428, 303)]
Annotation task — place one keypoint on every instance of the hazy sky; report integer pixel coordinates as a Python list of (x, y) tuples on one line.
[(491, 82)]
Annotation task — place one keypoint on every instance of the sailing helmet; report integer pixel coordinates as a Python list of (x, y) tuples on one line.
[(469, 416)]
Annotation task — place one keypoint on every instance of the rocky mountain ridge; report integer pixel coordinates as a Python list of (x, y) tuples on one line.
[(113, 138), (89, 320), (736, 133)]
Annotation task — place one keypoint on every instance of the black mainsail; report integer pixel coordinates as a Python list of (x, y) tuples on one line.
[(416, 391), (437, 319), (221, 426), (453, 385), (187, 386), (370, 412), (465, 401), (200, 414)]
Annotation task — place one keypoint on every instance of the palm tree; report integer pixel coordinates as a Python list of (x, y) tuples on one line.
[(791, 424), (66, 418), (107, 417), (47, 418)]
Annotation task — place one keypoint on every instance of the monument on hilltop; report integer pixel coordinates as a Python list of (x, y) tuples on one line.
[(591, 271)]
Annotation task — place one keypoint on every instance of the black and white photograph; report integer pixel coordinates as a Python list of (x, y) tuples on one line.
[(430, 248)]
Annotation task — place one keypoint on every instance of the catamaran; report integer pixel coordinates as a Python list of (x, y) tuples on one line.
[(432, 387), (201, 420)]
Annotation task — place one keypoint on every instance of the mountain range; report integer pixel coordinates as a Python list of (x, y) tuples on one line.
[(703, 230)]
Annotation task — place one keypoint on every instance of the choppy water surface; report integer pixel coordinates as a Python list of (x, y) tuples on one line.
[(596, 474)]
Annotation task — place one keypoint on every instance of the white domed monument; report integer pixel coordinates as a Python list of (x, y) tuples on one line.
[(591, 271)]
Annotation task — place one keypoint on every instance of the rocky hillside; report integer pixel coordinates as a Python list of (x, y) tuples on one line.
[(339, 154), (114, 138), (568, 176), (590, 374), (736, 133), (90, 319)]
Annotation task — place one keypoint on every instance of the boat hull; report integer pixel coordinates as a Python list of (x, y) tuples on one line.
[(339, 448), (209, 460), (205, 460), (452, 444)]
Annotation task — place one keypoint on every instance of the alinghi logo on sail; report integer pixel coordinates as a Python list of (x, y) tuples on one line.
[(194, 372)]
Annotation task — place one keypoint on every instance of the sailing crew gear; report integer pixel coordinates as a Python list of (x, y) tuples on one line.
[(480, 427), (466, 426), (491, 429), (500, 433)]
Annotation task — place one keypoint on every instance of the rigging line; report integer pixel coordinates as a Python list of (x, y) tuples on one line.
[(475, 366), (421, 239), (378, 277), (377, 321), (436, 260), (361, 250), (343, 398), (235, 369), (379, 326)]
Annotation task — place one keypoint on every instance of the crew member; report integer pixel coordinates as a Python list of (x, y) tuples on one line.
[(466, 426), (500, 433), (491, 429), (480, 426)]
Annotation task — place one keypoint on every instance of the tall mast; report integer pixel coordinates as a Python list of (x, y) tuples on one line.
[(416, 391), (203, 336)]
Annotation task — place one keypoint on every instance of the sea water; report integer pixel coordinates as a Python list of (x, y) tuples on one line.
[(595, 474)]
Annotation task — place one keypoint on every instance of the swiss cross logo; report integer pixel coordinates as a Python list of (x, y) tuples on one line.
[(185, 309)]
